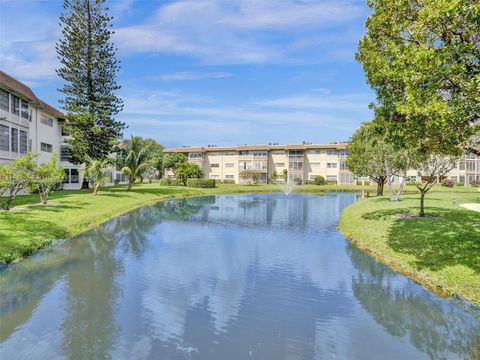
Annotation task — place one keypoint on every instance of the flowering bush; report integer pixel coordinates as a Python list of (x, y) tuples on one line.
[(448, 182)]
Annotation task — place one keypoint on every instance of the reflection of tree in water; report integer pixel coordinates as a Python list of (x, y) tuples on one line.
[(91, 296), (434, 327)]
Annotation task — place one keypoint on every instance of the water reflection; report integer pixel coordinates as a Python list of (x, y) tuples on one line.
[(247, 276)]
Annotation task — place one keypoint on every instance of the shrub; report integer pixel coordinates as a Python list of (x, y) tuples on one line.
[(448, 182), (475, 183), (319, 180), (201, 183), (176, 182), (365, 182), (165, 182), (297, 181), (228, 181), (460, 184)]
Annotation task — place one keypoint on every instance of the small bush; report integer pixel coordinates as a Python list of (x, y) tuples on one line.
[(330, 182), (201, 183), (475, 183), (297, 181), (228, 181), (448, 182), (460, 184), (365, 182), (177, 182), (319, 180), (165, 182)]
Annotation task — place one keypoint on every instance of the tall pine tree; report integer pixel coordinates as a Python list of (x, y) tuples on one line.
[(89, 68)]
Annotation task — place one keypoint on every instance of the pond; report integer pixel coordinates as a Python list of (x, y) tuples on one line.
[(225, 277)]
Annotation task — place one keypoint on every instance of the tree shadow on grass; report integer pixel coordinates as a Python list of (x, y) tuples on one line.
[(450, 237)]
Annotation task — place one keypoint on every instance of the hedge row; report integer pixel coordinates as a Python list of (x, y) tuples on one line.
[(201, 183)]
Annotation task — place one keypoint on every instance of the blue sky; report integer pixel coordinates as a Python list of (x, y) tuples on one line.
[(224, 72)]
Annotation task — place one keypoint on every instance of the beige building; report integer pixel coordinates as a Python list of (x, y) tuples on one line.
[(303, 163)]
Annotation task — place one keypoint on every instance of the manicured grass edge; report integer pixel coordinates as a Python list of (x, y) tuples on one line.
[(428, 283)]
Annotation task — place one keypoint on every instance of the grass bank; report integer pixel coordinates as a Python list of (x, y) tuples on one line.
[(27, 228), (441, 251)]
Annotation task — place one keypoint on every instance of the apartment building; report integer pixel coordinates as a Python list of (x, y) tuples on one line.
[(28, 124), (303, 162)]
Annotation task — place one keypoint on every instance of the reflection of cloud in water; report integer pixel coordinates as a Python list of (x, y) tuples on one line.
[(215, 265)]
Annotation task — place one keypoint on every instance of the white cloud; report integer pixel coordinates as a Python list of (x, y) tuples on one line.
[(240, 31), (190, 75)]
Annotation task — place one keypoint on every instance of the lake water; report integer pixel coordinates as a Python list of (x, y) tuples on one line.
[(226, 277)]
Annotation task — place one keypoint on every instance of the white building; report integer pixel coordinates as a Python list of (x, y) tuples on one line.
[(28, 124)]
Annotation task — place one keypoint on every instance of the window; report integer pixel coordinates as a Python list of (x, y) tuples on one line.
[(331, 152), (260, 165), (229, 177), (65, 154), (343, 152), (214, 154), (315, 152), (279, 152), (470, 165), (296, 165), (260, 153), (14, 140), (315, 164), (15, 105), (244, 152), (4, 100), (214, 165), (23, 142), (296, 154), (64, 132), (46, 121), (332, 178), (245, 165), (46, 147), (461, 165), (71, 176), (343, 166), (279, 164), (332, 165), (214, 176), (4, 134), (229, 165), (230, 153), (25, 110)]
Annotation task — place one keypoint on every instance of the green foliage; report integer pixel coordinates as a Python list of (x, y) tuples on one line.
[(173, 161), (421, 58), (319, 180), (153, 153), (15, 177), (46, 177), (201, 183), (273, 176), (136, 162), (187, 171), (165, 182), (228, 181), (297, 181), (96, 172), (88, 65), (249, 176)]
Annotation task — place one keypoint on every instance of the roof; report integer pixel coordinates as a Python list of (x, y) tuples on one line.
[(188, 149), (24, 91)]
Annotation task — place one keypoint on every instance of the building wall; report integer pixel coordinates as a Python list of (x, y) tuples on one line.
[(318, 160)]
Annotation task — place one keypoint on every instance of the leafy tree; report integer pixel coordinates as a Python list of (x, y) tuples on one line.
[(173, 161), (46, 177), (273, 176), (319, 180), (96, 172), (154, 153), (187, 171), (249, 176), (422, 59), (431, 169), (136, 162), (88, 65), (15, 177)]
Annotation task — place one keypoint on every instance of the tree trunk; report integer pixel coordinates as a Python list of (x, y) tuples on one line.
[(380, 188), (44, 198), (129, 186), (95, 189), (422, 204)]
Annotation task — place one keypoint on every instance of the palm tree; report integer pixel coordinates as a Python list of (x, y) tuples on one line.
[(136, 161), (95, 171)]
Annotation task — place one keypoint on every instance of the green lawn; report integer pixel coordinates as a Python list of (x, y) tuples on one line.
[(24, 231), (441, 251)]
